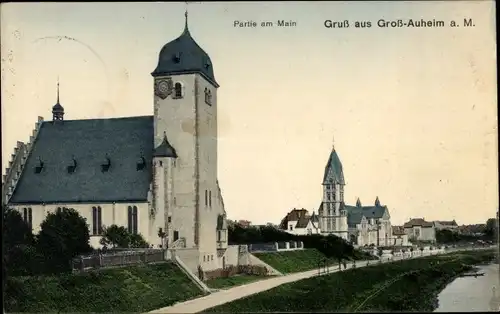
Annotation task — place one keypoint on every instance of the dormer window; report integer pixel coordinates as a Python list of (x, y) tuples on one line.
[(39, 168), (207, 65), (176, 57), (105, 167), (178, 90), (141, 165), (72, 167)]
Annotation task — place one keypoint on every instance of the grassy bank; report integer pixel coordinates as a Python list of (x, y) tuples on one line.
[(238, 280), (302, 260), (294, 261), (410, 285), (130, 289)]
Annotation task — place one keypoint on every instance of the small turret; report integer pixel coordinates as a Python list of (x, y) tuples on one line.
[(377, 202), (358, 202), (165, 149), (57, 109)]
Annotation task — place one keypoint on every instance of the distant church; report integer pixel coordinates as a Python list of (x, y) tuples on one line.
[(152, 174), (360, 225)]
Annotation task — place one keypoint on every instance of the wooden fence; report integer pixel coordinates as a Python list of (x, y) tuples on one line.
[(119, 258)]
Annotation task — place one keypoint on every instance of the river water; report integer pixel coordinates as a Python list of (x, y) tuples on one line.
[(469, 294)]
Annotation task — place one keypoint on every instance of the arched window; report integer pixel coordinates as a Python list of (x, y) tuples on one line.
[(178, 90), (96, 220), (28, 217), (208, 97), (132, 220)]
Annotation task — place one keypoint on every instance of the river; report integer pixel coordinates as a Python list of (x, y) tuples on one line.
[(469, 294)]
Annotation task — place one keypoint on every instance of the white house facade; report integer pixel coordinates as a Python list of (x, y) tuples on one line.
[(418, 229), (369, 225), (299, 222), (400, 237), (152, 174)]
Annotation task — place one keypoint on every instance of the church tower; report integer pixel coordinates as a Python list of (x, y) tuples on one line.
[(333, 216), (185, 121)]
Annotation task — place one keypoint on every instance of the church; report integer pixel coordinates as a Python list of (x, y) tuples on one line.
[(156, 175), (360, 225)]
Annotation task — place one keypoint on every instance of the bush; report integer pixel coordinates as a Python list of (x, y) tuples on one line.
[(331, 246), (18, 244), (64, 235), (119, 237), (257, 270), (24, 260), (231, 270)]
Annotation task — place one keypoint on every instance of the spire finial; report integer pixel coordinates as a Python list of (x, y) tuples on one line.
[(186, 18), (333, 142), (57, 89)]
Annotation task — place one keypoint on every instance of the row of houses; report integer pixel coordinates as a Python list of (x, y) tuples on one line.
[(300, 222)]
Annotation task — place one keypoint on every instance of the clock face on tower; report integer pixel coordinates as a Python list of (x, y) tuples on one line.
[(164, 87)]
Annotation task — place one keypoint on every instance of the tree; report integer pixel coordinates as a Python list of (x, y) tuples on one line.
[(491, 226), (116, 237), (137, 241), (64, 235), (162, 234), (119, 237), (15, 231), (19, 254)]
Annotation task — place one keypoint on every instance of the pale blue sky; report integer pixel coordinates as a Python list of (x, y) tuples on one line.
[(413, 111)]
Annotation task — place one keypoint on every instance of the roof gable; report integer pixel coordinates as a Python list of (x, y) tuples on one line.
[(418, 222), (303, 222), (333, 170), (355, 213), (125, 141)]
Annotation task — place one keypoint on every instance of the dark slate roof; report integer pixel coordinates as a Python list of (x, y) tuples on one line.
[(355, 213), (126, 141), (418, 222), (293, 215), (333, 170), (303, 222), (184, 56), (165, 149)]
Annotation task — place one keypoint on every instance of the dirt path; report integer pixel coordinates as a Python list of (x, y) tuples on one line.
[(235, 293), (238, 292)]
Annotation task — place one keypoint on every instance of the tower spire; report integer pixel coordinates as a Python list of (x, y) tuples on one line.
[(186, 29), (57, 109), (57, 90), (333, 142)]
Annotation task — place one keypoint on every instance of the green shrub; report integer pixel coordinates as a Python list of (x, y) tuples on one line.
[(331, 246)]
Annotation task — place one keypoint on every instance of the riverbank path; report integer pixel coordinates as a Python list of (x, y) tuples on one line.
[(238, 292)]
